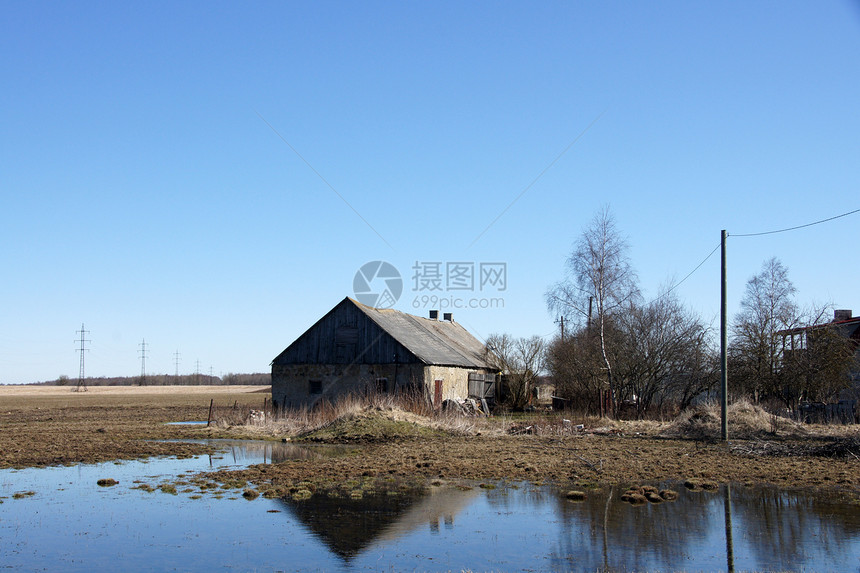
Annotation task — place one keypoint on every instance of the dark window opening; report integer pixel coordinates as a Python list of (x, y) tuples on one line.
[(382, 385), (315, 387)]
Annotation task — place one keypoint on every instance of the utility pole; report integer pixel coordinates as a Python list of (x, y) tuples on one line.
[(560, 322), (724, 338), (143, 363), (176, 360), (82, 383)]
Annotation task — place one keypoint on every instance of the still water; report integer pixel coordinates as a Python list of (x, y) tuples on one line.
[(72, 524)]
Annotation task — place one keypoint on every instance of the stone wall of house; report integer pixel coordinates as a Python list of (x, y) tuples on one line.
[(304, 385), (455, 381)]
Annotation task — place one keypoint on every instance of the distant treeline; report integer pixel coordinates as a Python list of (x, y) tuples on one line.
[(258, 379)]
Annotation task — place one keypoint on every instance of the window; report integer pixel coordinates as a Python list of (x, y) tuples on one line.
[(381, 385), (315, 387)]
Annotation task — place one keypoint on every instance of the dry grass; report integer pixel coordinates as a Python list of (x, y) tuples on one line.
[(701, 423), (25, 390), (305, 422), (27, 397), (745, 421), (56, 426), (398, 408), (53, 425)]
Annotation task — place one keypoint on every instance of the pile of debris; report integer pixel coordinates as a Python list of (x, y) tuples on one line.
[(467, 407)]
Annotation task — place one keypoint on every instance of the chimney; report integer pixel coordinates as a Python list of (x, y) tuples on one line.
[(840, 315), (448, 316), (434, 315)]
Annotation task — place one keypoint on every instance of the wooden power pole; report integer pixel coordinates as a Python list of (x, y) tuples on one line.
[(724, 338)]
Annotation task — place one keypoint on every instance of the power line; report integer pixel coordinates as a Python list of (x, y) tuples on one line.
[(324, 180), (797, 227), (536, 179), (677, 284)]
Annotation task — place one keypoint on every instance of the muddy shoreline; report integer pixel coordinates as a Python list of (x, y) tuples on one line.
[(71, 429), (574, 461)]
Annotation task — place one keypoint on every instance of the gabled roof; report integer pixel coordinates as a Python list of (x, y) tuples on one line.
[(436, 342)]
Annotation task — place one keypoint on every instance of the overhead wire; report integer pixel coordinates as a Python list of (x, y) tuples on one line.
[(714, 250), (677, 284), (797, 227)]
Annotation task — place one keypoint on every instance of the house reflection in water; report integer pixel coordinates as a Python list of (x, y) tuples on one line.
[(246, 452), (349, 526)]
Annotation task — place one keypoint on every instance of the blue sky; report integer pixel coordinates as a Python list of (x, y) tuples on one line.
[(210, 176)]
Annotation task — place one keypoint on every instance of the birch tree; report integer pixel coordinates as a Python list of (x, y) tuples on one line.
[(767, 307), (599, 281)]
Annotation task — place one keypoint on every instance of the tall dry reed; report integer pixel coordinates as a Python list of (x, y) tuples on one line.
[(411, 406)]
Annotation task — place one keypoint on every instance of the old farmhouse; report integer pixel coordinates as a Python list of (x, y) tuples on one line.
[(355, 349)]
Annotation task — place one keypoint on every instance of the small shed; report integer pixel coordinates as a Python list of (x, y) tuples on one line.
[(356, 349)]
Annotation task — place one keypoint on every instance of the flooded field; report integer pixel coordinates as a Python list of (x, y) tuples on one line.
[(60, 518)]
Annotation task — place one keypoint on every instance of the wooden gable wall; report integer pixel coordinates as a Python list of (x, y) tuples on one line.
[(346, 336)]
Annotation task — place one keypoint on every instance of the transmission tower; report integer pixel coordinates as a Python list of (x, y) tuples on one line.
[(82, 383), (176, 356), (143, 362), (197, 374)]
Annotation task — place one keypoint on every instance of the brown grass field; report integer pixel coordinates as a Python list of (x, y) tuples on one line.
[(47, 425), (55, 425)]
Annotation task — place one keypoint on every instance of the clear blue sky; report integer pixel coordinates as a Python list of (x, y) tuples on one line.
[(145, 194)]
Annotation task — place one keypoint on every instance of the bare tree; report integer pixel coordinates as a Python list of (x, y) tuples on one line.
[(667, 354), (576, 367), (756, 350), (599, 281), (520, 360)]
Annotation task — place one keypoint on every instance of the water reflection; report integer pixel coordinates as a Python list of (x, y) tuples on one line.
[(751, 528), (348, 526), (616, 535), (730, 544), (73, 524), (249, 452), (781, 528)]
